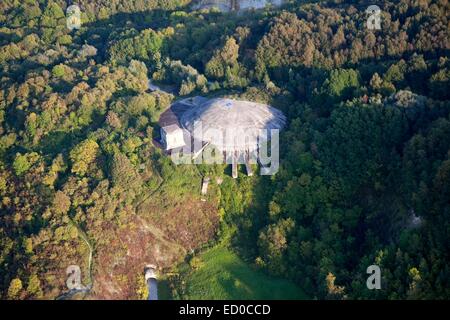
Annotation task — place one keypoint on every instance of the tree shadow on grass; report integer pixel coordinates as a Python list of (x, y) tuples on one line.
[(239, 280)]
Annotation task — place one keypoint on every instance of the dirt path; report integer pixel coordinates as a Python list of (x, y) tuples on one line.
[(158, 234)]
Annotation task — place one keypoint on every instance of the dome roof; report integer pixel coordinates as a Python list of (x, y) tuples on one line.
[(232, 124)]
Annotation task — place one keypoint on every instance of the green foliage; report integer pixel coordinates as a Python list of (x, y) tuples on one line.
[(142, 288), (223, 58), (51, 15), (14, 288), (22, 163), (341, 83), (123, 174), (223, 275), (144, 103), (365, 168), (146, 47), (65, 39), (59, 71), (34, 286), (439, 84), (83, 155), (61, 203), (186, 77), (289, 42), (273, 243)]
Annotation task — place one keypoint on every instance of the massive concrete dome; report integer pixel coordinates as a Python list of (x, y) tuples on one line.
[(232, 125)]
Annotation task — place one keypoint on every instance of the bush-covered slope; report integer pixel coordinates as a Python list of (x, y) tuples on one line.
[(364, 176)]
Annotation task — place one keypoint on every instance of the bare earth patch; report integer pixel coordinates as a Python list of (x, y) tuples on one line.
[(152, 237)]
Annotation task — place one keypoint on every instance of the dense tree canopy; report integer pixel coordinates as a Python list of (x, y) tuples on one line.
[(364, 162)]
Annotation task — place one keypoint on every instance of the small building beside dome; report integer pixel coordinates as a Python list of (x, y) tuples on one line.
[(172, 137)]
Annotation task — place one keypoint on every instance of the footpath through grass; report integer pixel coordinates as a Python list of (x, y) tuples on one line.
[(221, 274)]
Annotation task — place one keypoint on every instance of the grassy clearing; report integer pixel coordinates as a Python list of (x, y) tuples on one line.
[(222, 275)]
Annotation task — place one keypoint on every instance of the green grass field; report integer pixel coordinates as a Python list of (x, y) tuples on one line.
[(223, 275)]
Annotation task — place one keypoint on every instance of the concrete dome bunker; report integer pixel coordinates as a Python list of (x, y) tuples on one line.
[(224, 121), (234, 128)]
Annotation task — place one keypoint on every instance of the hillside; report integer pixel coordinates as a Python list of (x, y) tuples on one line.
[(220, 274), (364, 174)]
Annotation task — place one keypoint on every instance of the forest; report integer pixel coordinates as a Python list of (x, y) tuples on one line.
[(364, 173)]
